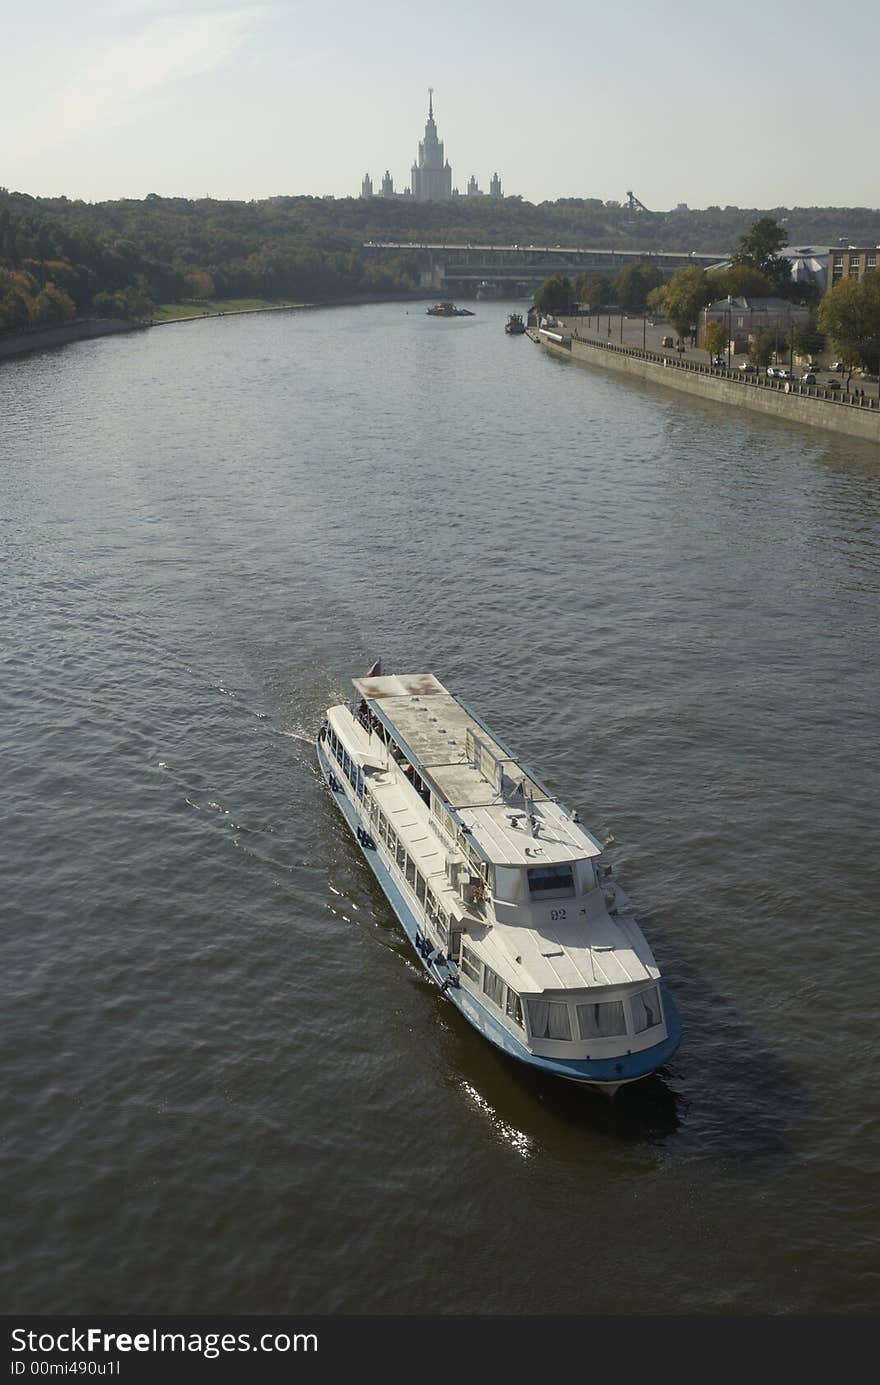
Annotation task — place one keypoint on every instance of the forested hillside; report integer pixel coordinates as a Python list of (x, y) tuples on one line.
[(60, 259)]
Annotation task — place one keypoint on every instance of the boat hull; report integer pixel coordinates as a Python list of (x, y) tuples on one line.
[(605, 1074)]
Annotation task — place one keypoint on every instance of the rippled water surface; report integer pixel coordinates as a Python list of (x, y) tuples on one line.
[(228, 1088)]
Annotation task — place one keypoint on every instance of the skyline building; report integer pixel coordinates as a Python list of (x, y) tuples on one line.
[(431, 173), (431, 178)]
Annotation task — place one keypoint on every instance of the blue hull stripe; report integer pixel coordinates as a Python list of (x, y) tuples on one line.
[(593, 1070)]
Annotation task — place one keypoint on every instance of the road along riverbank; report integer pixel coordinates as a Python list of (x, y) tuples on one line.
[(853, 415)]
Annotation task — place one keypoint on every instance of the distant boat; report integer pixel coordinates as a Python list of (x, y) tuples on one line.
[(514, 325), (447, 309)]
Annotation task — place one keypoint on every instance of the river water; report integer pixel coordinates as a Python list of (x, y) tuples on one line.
[(228, 1087)]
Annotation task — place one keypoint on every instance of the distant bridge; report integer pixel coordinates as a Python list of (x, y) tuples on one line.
[(523, 267)]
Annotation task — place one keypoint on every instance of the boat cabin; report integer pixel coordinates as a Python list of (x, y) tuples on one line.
[(513, 887)]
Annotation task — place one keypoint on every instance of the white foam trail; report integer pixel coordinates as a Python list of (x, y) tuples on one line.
[(295, 736)]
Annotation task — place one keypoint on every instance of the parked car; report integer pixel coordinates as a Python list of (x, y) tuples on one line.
[(837, 365), (833, 385), (748, 367), (808, 377), (783, 374), (772, 371), (719, 360)]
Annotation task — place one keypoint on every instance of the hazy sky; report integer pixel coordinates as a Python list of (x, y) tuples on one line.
[(755, 104)]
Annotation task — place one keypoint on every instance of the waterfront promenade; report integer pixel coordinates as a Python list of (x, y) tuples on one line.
[(588, 340)]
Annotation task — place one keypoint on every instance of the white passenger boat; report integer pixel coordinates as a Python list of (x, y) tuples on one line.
[(506, 898)]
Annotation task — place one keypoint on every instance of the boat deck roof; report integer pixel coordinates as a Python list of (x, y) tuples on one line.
[(431, 726)]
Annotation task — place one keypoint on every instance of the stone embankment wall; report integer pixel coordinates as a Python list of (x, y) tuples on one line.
[(17, 343), (855, 416)]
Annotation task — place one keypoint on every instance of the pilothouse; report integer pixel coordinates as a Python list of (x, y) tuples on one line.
[(505, 896)]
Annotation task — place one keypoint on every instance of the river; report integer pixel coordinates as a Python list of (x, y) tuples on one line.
[(228, 1087)]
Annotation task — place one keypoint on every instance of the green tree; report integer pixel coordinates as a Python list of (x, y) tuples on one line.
[(686, 293), (761, 348), (850, 316), (138, 303), (595, 289), (201, 284), (555, 295), (634, 283), (17, 293), (109, 305), (715, 338), (807, 340), (656, 299), (740, 281), (52, 305), (759, 249)]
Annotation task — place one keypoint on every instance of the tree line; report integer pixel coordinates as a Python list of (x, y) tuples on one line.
[(61, 258)]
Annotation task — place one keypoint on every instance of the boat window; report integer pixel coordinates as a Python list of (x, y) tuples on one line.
[(352, 773), (345, 760), (391, 840), (646, 1010), (551, 882), (514, 1008), (436, 915), (586, 877), (470, 964), (360, 783), (493, 987), (401, 855), (602, 1020), (439, 813), (409, 870), (421, 887), (509, 884), (548, 1019)]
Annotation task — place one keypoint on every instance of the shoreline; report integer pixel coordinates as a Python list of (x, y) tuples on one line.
[(84, 329), (809, 408)]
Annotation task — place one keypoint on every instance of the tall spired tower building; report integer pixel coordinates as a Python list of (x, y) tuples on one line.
[(431, 177)]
